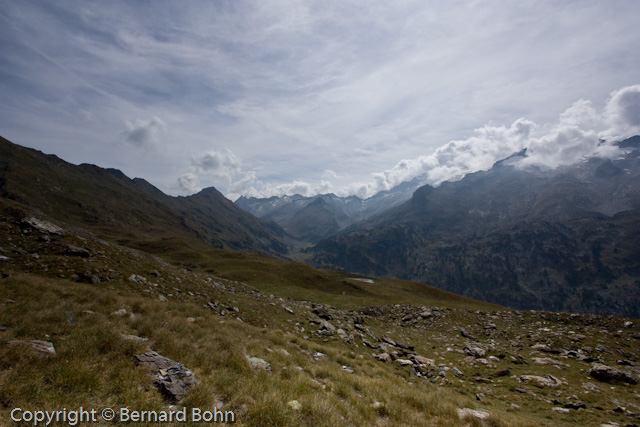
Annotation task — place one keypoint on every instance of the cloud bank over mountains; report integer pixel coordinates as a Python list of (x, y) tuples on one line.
[(578, 133), (293, 96)]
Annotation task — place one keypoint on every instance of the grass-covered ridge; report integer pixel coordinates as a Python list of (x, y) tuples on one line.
[(210, 309)]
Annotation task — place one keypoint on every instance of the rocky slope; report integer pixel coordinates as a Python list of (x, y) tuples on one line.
[(88, 322), (526, 238), (113, 205)]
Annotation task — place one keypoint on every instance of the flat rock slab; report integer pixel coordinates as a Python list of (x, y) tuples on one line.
[(172, 378)]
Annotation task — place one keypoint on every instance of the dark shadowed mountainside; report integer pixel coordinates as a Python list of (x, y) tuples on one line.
[(565, 239), (132, 211)]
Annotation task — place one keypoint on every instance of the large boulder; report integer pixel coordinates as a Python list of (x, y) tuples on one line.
[(172, 378), (609, 374)]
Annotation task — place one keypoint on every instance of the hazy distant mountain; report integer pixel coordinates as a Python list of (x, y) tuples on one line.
[(565, 239), (314, 218), (133, 211)]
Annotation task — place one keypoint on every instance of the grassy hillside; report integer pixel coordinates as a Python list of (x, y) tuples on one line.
[(211, 309)]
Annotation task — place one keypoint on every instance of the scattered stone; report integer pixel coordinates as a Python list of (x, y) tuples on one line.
[(404, 345), (348, 369), (257, 363), (137, 279), (388, 341), (326, 326), (133, 338), (42, 226), (73, 250), (295, 405), (610, 374), (481, 414), (383, 357), (541, 382), (466, 334), (42, 348), (404, 362), (421, 360), (548, 361), (170, 377), (576, 405), (368, 344), (475, 350), (320, 356)]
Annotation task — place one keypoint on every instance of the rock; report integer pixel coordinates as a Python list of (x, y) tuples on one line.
[(404, 362), (475, 350), (576, 405), (322, 312), (481, 414), (4, 258), (545, 348), (170, 377), (320, 356), (628, 324), (191, 319), (541, 382), (404, 345), (121, 312), (288, 310), (42, 226), (137, 279), (426, 314), (388, 341), (610, 374), (162, 297), (560, 410), (548, 361), (257, 363), (294, 404), (383, 357), (326, 326), (133, 338), (466, 334), (502, 373), (368, 344), (42, 348), (421, 360), (347, 369), (73, 250), (342, 334)]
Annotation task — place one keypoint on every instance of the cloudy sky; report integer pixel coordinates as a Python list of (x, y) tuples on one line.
[(266, 97)]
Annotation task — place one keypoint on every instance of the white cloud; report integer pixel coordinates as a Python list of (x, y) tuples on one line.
[(189, 183), (144, 134), (622, 113), (576, 135), (218, 163)]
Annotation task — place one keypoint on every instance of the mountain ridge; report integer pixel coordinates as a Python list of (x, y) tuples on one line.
[(525, 238), (104, 200)]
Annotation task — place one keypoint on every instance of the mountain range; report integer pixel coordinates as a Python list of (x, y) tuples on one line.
[(564, 239), (311, 219), (132, 211), (528, 238)]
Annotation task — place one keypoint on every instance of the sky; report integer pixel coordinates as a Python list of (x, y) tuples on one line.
[(264, 98)]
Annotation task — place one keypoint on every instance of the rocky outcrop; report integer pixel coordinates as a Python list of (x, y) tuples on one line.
[(170, 377), (610, 374)]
